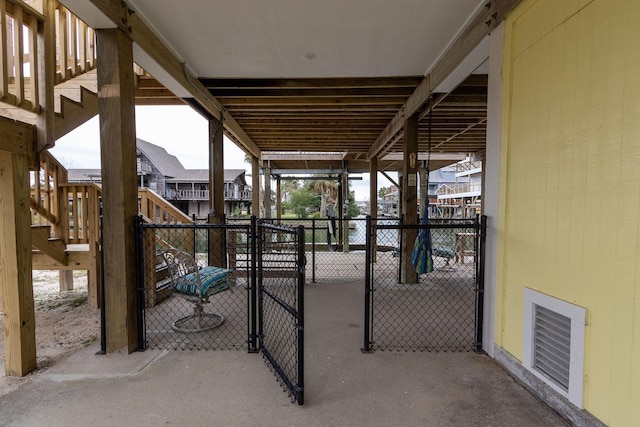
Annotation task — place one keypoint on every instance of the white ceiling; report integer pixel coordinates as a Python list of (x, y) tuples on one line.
[(307, 38)]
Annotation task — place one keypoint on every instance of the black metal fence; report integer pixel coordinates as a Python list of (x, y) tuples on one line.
[(281, 281), (161, 308), (335, 248), (436, 311)]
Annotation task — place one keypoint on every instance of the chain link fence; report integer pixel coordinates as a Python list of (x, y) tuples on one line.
[(335, 249), (178, 320), (435, 311)]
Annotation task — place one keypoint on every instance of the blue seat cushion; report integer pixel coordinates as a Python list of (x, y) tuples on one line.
[(213, 279)]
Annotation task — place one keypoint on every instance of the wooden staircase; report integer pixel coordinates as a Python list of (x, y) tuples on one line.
[(76, 102), (48, 72), (53, 247)]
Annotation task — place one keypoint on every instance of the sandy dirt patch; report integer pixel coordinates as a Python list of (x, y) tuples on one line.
[(64, 323)]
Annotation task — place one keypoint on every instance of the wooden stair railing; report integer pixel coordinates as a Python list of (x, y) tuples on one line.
[(74, 49), (159, 210)]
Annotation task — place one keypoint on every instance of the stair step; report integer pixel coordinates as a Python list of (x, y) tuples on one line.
[(51, 246), (42, 232)]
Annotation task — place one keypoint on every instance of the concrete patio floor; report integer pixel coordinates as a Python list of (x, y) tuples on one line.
[(343, 387)]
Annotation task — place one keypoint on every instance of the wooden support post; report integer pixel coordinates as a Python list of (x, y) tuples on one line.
[(216, 194), (93, 274), (373, 187), (345, 210), (65, 279), (15, 265), (278, 198), (424, 191), (46, 72), (409, 196), (116, 106), (255, 187), (267, 192)]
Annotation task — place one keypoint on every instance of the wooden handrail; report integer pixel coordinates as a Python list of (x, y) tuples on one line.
[(83, 212), (46, 197), (19, 68), (72, 209), (158, 209)]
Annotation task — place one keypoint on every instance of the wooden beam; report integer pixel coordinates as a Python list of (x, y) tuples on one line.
[(116, 105), (267, 192), (255, 187), (46, 74), (278, 198), (310, 156), (331, 101), (17, 137), (216, 193), (313, 93), (317, 83), (131, 24), (373, 187), (488, 19), (76, 260), (16, 290)]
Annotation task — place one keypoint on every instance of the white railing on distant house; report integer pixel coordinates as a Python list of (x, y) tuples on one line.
[(468, 166), (144, 168), (459, 188), (187, 194), (237, 195)]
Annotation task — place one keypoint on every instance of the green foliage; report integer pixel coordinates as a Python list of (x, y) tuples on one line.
[(353, 210), (303, 199)]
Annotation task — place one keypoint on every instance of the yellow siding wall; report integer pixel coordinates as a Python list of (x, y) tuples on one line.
[(570, 184)]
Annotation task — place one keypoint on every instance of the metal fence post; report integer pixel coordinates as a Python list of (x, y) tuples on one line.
[(367, 288), (259, 237), (400, 243), (482, 231), (103, 324), (313, 250), (253, 306), (300, 326), (139, 249)]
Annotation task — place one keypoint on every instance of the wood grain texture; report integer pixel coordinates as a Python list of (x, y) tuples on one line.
[(15, 266), (119, 191)]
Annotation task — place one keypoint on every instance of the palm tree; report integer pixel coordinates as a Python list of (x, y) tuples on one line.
[(328, 192)]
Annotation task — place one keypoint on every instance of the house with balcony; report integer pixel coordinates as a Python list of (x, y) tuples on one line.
[(186, 189), (439, 178), (462, 197)]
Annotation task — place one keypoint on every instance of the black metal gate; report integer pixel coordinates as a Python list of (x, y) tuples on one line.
[(224, 320), (437, 311), (281, 264)]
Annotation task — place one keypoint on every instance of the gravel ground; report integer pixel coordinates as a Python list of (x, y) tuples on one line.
[(64, 322)]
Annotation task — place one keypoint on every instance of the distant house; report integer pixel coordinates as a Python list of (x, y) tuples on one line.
[(187, 189), (461, 198), (438, 179)]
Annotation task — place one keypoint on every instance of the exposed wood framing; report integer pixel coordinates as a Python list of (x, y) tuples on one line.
[(479, 28), (17, 137), (131, 24)]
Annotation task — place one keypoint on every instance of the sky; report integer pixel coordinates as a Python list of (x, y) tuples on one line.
[(178, 129)]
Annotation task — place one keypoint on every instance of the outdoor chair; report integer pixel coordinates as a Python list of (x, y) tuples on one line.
[(196, 284)]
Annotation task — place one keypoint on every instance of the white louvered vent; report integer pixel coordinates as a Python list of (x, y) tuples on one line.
[(553, 343)]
